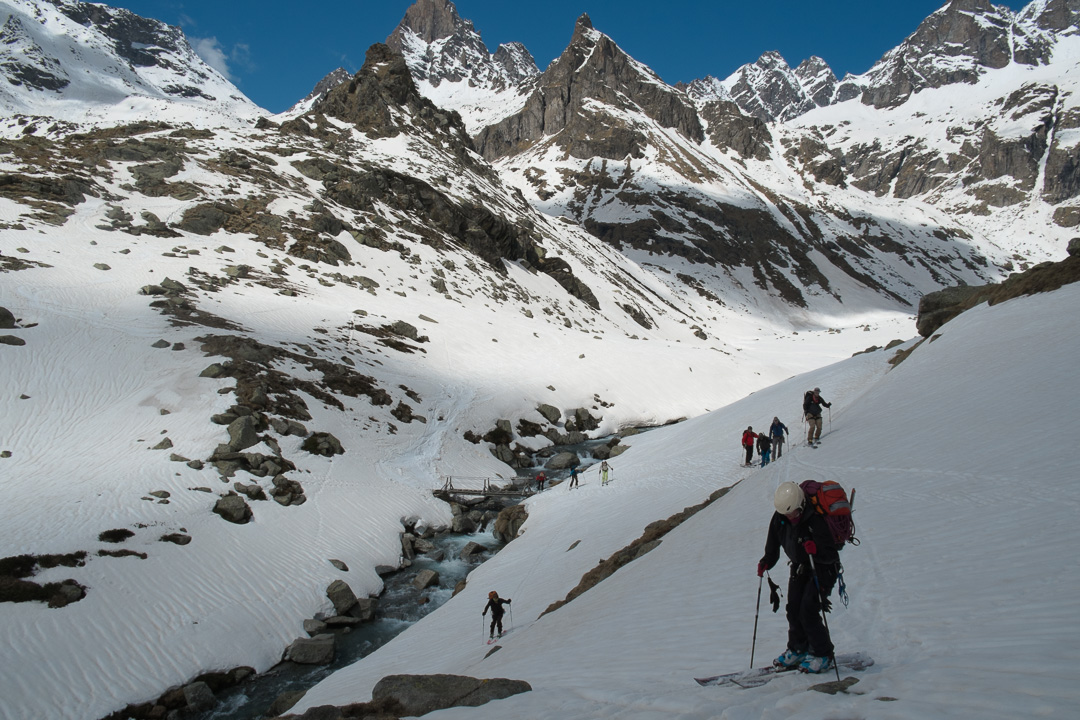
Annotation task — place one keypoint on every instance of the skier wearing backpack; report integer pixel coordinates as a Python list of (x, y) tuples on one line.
[(811, 406), (802, 532), (495, 605), (748, 438), (777, 431)]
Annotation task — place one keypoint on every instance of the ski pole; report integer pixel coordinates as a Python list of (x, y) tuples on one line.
[(511, 605), (753, 643), (830, 420), (832, 655), (483, 621)]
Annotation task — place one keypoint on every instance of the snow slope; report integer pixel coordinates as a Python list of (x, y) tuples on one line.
[(87, 396), (964, 589)]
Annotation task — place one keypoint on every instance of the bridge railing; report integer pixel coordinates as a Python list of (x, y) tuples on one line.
[(485, 485)]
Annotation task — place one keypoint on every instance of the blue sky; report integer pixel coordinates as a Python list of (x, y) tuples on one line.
[(276, 50)]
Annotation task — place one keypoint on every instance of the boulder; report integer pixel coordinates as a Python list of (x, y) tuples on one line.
[(562, 461), (421, 694), (314, 627), (322, 443), (318, 650), (233, 508), (463, 524), (425, 579), (937, 308), (199, 697), (342, 596), (242, 433), (509, 523), (7, 319), (364, 609), (550, 413), (472, 551)]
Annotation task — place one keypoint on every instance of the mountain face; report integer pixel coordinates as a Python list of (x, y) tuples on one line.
[(440, 47), (76, 60), (769, 89)]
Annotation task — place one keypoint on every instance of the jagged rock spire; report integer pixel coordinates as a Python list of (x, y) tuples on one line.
[(429, 20)]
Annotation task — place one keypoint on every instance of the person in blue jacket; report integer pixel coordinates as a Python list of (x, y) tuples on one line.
[(777, 431)]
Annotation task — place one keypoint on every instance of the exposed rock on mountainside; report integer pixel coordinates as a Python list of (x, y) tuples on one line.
[(591, 69), (101, 55), (440, 46), (937, 308)]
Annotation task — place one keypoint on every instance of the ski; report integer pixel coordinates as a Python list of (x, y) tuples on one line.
[(492, 641), (759, 676)]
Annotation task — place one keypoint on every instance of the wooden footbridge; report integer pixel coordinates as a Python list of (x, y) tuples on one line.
[(484, 486)]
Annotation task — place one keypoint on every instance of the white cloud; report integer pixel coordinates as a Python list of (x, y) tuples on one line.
[(209, 49)]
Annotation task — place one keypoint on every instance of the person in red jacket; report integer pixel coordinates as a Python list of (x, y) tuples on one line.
[(748, 438)]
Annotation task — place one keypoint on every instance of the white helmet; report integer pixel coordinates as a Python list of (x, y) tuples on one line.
[(789, 497)]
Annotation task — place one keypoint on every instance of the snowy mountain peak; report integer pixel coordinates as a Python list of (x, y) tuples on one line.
[(432, 20), (441, 47), (1060, 16), (769, 89), (78, 61), (589, 81), (957, 44)]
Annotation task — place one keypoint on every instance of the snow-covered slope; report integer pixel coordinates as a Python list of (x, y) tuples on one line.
[(963, 589), (360, 271), (89, 63)]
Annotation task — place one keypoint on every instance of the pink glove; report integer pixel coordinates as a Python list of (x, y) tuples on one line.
[(761, 569), (810, 546)]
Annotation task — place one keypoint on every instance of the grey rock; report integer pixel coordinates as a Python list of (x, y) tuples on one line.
[(285, 701), (472, 551), (562, 461), (215, 370), (322, 443), (509, 523), (425, 579), (242, 433), (253, 492), (233, 508), (11, 340), (199, 697), (318, 650), (7, 319), (339, 565), (165, 444), (342, 596), (314, 627), (421, 694), (364, 609)]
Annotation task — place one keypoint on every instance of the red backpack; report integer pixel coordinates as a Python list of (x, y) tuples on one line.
[(830, 500)]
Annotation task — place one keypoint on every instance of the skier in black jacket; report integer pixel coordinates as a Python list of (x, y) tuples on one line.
[(495, 605), (802, 532), (811, 407)]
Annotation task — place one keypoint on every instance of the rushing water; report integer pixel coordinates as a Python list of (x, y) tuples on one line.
[(400, 605)]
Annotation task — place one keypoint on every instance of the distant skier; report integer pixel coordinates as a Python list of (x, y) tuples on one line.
[(495, 605), (605, 470), (540, 480), (573, 477), (748, 438), (801, 535), (811, 406), (764, 447), (777, 431)]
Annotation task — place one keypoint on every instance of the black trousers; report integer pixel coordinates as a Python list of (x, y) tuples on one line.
[(806, 629)]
